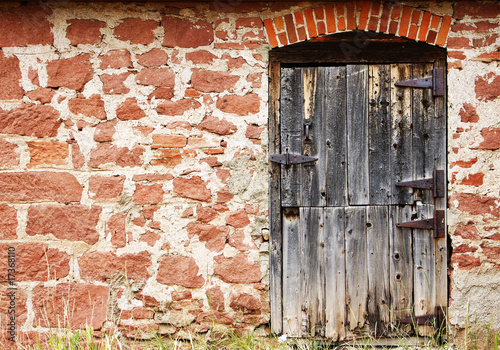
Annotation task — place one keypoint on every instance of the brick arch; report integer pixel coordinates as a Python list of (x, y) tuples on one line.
[(380, 17)]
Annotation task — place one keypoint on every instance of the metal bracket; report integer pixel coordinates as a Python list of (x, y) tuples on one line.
[(436, 224), (308, 128), (436, 82), (289, 158), (437, 320), (436, 183)]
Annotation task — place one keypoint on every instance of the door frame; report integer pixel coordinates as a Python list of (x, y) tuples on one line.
[(344, 48)]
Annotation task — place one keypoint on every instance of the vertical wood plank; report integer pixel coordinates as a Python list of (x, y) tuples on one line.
[(379, 134), (313, 174), (291, 109), (377, 236), (357, 131), (424, 269), (335, 274), (356, 267), (312, 271), (275, 238), (292, 244), (401, 136), (336, 139), (401, 263)]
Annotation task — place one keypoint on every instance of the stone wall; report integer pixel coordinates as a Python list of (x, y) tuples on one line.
[(133, 159)]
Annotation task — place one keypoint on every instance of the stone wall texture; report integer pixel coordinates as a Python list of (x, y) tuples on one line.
[(133, 156)]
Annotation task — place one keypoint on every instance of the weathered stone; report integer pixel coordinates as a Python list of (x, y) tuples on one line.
[(48, 152), (114, 83), (237, 240), (491, 139), (69, 222), (177, 318), (476, 9), (43, 95), (211, 161), (210, 81), (465, 261), (239, 105), (150, 238), (488, 87), (89, 107), (476, 204), (491, 252), (468, 232), (30, 120), (77, 156), (153, 58), (104, 131), (224, 195), (116, 228), (84, 31), (215, 236), (200, 57), (72, 73), (194, 188), (244, 302), (168, 141), (237, 269), (171, 157), (121, 156), (249, 22), (25, 25), (71, 305), (116, 59), (179, 270), (238, 219), (208, 318), (468, 114), (105, 187), (215, 298), (35, 262), (8, 222), (136, 31), (134, 266), (35, 186), (162, 77), (148, 194), (254, 131), (162, 93), (182, 295), (10, 77), (205, 214), (8, 153), (130, 110), (177, 107), (217, 126), (184, 33)]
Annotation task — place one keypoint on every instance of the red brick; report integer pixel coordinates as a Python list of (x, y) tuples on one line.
[(200, 57), (489, 40), (457, 55), (179, 270), (9, 155), (48, 152), (424, 26), (35, 262), (279, 22), (351, 15), (488, 57), (75, 306), (177, 107), (217, 126), (209, 81), (25, 25), (72, 73), (43, 95), (121, 156), (240, 105), (8, 222), (72, 223), (168, 141), (237, 269), (443, 32), (136, 31), (184, 33), (271, 34), (330, 18), (114, 83), (194, 188), (130, 110), (214, 236), (10, 77), (363, 17), (310, 23), (476, 9), (458, 43), (319, 13), (476, 204), (116, 59), (488, 87), (84, 31), (153, 58), (405, 21), (468, 232), (30, 120), (384, 19), (116, 228), (465, 261), (133, 265), (106, 187), (148, 194), (238, 219), (162, 77), (244, 302), (290, 29), (89, 107)]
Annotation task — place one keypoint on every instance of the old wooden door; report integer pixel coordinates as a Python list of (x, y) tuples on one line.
[(346, 266)]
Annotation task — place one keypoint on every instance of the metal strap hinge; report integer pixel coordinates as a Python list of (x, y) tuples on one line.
[(436, 82), (436, 183), (436, 320), (289, 158), (436, 224)]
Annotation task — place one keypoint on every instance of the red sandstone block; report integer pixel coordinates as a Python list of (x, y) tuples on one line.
[(330, 18), (8, 222), (72, 73), (133, 265), (181, 271), (363, 16), (25, 25), (9, 155), (136, 31), (153, 58), (177, 107), (84, 31), (48, 152), (10, 78), (161, 77), (30, 120), (240, 105), (114, 83), (168, 141), (121, 156), (200, 56), (148, 194), (351, 15), (116, 59), (465, 261), (249, 22), (212, 81), (405, 21), (184, 33), (105, 187), (237, 269), (271, 34), (194, 188), (311, 24)]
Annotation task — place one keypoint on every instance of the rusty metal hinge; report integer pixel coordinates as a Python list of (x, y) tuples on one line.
[(436, 82), (437, 320), (436, 224), (289, 158), (436, 183)]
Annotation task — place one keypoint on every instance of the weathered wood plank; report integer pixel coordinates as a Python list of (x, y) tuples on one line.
[(335, 274), (357, 131), (291, 109), (379, 123), (356, 267), (275, 238), (401, 136), (313, 174), (377, 237), (336, 136), (312, 271), (292, 244)]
